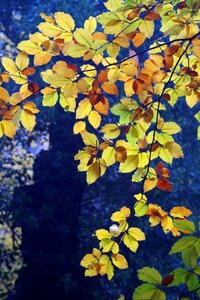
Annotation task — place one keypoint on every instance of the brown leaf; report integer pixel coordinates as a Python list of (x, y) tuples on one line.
[(33, 87), (152, 15)]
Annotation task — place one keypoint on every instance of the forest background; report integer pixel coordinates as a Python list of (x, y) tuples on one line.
[(40, 199)]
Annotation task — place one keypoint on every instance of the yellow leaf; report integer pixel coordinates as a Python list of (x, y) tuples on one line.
[(70, 89), (90, 24), (108, 245), (150, 184), (109, 156), (9, 65), (130, 164), (89, 70), (56, 80), (93, 172), (121, 215), (31, 107), (147, 28), (29, 47), (113, 5), (140, 197), (96, 252), (192, 99), (107, 267), (47, 18), (69, 104), (171, 128), (65, 21), (8, 128), (113, 50), (1, 130), (49, 29), (27, 119), (111, 131), (167, 224), (4, 96), (165, 155), (174, 149), (89, 139), (42, 58), (22, 60), (119, 261), (102, 234), (83, 109), (136, 233), (94, 119), (75, 50), (143, 159), (83, 37), (50, 99), (130, 242), (79, 127)]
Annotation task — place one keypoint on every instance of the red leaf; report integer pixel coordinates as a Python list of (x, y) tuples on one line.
[(164, 185), (159, 168), (167, 280)]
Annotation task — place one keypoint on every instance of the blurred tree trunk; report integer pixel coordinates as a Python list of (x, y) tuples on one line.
[(48, 213)]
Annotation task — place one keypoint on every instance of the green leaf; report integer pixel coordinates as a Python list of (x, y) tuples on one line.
[(185, 225), (179, 277), (158, 295), (144, 291), (190, 257), (140, 209), (122, 111), (149, 275), (50, 99), (191, 3), (197, 270), (192, 281), (183, 244), (197, 246), (197, 116)]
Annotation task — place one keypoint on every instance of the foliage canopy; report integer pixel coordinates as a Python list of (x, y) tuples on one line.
[(120, 74)]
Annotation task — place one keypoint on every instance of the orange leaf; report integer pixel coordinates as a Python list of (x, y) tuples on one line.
[(101, 107), (180, 212), (138, 39), (158, 76), (120, 154), (110, 88), (103, 76), (137, 86), (150, 184), (29, 71)]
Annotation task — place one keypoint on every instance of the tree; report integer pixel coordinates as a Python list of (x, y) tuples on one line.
[(143, 61)]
